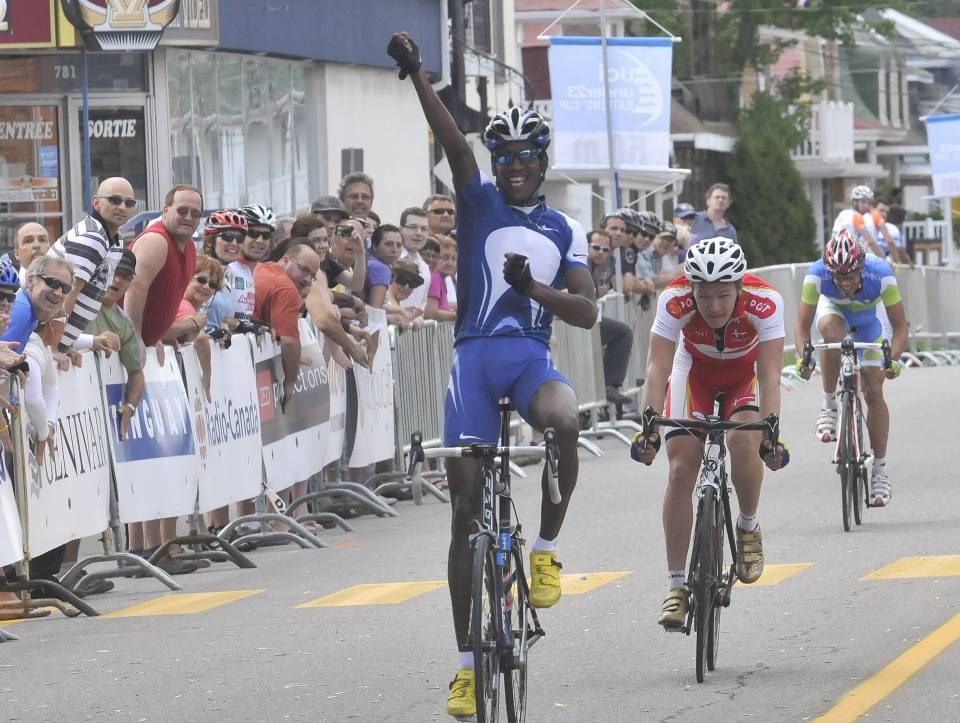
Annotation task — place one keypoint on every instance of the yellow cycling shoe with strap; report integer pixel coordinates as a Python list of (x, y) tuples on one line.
[(544, 579), (462, 701)]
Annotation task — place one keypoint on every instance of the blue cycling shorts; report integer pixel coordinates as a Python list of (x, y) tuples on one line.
[(874, 331), (485, 369)]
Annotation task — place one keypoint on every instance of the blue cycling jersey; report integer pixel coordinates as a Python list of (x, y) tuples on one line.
[(879, 286), (488, 228)]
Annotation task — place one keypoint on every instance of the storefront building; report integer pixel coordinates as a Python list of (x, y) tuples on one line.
[(253, 103)]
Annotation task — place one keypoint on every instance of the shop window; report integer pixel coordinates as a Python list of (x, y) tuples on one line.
[(30, 187), (118, 148)]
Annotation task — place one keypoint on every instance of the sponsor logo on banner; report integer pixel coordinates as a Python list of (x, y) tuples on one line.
[(231, 422), (160, 428), (309, 406), (81, 449)]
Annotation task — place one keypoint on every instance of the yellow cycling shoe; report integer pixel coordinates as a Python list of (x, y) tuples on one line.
[(749, 562), (544, 579), (462, 701)]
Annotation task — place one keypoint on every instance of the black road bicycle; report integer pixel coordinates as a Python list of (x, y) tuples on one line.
[(709, 584), (851, 456), (503, 625)]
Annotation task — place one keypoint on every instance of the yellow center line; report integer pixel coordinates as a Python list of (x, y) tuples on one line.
[(580, 583), (870, 692), (923, 566), (775, 574), (390, 593)]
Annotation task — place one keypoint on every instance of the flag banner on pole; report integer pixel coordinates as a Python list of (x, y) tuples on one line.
[(639, 73), (943, 139)]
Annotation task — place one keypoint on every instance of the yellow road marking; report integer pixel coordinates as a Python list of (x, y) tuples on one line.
[(577, 584), (928, 566), (389, 593), (182, 604), (866, 695), (775, 574)]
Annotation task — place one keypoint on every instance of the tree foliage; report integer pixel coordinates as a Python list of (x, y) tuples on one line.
[(771, 212)]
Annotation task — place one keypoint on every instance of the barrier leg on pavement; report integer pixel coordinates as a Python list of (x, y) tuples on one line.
[(128, 565), (303, 536), (65, 601), (321, 517), (390, 484), (6, 637)]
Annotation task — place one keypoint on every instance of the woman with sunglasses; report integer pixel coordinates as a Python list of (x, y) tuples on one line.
[(405, 278), (223, 235), (191, 319)]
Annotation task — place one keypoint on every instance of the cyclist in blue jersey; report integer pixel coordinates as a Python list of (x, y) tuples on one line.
[(516, 257), (844, 290)]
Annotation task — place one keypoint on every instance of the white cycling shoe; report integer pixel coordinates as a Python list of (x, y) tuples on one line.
[(827, 425), (881, 490)]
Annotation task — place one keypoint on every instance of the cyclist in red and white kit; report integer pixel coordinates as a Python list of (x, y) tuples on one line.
[(717, 329)]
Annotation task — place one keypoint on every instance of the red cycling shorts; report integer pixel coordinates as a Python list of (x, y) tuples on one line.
[(692, 390)]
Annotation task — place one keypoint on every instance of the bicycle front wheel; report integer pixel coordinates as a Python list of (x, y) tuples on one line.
[(705, 576), (516, 615), (713, 627), (846, 466), (485, 628)]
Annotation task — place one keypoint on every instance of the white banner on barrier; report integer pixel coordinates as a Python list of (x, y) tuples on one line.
[(374, 440), (11, 535), (294, 439), (69, 495), (337, 377), (157, 467), (228, 425)]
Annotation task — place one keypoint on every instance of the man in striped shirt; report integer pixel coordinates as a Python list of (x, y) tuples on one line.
[(94, 248)]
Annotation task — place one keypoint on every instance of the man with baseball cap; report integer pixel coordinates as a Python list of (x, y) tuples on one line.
[(331, 211)]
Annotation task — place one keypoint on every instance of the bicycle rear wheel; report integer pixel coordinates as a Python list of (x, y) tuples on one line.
[(485, 628), (517, 618), (704, 577)]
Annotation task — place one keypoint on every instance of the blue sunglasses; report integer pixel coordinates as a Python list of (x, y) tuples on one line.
[(526, 156)]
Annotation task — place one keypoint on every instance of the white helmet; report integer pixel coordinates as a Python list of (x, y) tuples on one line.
[(860, 193), (715, 259), (257, 215)]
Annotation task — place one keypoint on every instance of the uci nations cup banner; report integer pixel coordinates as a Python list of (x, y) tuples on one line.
[(943, 140), (157, 466), (639, 74)]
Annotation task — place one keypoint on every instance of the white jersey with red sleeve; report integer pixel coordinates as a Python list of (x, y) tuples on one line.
[(757, 317)]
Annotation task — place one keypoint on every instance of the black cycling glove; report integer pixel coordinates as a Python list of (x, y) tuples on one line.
[(516, 272), (408, 61)]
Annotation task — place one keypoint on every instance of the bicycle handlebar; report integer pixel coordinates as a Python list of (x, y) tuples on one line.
[(479, 451), (770, 425), (847, 345)]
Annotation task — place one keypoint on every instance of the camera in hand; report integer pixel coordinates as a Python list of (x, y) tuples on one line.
[(344, 230)]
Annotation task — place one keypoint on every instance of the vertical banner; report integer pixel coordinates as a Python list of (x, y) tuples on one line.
[(337, 377), (943, 140), (157, 468), (228, 424), (639, 73), (69, 492), (11, 534), (375, 424)]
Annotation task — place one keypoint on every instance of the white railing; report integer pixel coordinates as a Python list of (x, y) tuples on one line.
[(831, 134), (932, 241)]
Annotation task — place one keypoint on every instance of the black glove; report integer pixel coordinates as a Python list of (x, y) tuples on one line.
[(516, 272), (408, 61)]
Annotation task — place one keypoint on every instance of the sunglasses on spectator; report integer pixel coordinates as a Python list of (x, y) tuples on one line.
[(526, 156), (600, 249), (191, 212), (443, 212), (118, 200), (8, 296), (56, 284), (204, 281), (411, 282), (231, 237), (265, 235)]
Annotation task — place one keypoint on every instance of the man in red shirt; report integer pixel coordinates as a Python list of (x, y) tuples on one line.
[(166, 257), (280, 287)]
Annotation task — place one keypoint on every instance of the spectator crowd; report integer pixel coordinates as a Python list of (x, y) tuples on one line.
[(195, 276)]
